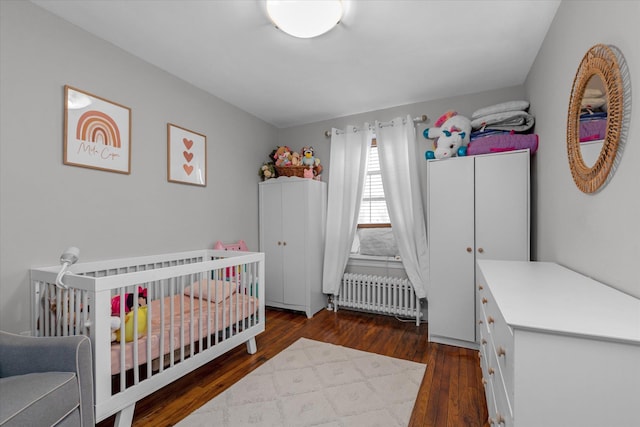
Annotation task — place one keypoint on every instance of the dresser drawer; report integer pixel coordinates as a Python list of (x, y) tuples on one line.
[(500, 337), (504, 412), (497, 404), (492, 409)]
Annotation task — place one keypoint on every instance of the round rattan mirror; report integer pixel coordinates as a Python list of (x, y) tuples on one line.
[(600, 65)]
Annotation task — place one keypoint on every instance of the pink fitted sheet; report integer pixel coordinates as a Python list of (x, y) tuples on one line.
[(220, 315)]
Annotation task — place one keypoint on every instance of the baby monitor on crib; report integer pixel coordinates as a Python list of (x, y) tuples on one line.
[(69, 257)]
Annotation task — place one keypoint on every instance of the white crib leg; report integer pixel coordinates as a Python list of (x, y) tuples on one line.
[(252, 347), (124, 418)]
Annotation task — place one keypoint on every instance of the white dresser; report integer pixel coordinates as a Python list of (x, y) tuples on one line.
[(556, 348)]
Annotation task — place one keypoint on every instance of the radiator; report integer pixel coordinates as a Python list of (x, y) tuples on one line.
[(378, 294)]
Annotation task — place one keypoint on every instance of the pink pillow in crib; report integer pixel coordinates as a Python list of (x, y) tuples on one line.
[(218, 289)]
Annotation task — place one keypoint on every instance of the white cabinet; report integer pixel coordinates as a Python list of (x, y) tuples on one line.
[(292, 224), (478, 208), (557, 348)]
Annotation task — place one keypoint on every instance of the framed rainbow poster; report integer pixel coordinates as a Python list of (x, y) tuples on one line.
[(186, 156), (97, 132)]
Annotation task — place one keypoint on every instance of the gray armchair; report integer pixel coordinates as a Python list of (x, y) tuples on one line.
[(45, 381)]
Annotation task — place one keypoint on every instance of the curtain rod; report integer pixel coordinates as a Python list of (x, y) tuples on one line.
[(421, 119)]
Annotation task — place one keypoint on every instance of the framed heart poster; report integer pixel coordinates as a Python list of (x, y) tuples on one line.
[(186, 156)]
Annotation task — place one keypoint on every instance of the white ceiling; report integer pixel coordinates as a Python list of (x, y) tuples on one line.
[(383, 53)]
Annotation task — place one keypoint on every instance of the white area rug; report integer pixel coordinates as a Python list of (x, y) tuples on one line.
[(312, 383)]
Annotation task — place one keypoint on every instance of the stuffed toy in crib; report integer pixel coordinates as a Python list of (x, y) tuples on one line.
[(128, 325), (451, 133), (128, 319)]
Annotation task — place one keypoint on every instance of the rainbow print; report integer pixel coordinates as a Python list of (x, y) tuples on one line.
[(98, 127)]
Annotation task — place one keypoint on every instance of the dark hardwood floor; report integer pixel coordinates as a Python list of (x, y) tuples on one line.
[(451, 393)]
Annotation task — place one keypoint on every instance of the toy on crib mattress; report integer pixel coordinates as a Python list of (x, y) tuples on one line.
[(451, 133), (129, 317), (128, 325), (128, 301)]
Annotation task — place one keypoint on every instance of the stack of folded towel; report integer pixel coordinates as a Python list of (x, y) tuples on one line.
[(502, 127), (593, 115)]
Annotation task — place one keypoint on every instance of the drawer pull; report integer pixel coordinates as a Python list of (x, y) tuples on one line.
[(500, 418), (490, 319), (480, 287), (480, 322), (501, 351), (484, 300), (484, 341), (484, 382), (491, 371)]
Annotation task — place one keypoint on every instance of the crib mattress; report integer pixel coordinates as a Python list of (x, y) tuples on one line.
[(167, 326)]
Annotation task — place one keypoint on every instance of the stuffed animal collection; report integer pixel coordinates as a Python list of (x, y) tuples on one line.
[(306, 164), (451, 133)]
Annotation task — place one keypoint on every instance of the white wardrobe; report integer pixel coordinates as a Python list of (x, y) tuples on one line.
[(292, 225), (478, 208)]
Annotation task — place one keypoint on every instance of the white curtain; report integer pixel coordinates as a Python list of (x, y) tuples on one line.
[(348, 164), (401, 182)]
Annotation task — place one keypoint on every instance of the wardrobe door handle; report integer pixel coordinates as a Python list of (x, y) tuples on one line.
[(284, 243), (469, 249), (480, 250), (279, 243)]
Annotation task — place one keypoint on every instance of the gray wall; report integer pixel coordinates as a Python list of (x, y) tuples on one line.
[(47, 206), (597, 235), (313, 134)]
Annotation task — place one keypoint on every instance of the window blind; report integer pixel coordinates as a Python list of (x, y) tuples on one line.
[(373, 206)]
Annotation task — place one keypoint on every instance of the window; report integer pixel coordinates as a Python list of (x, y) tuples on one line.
[(373, 206)]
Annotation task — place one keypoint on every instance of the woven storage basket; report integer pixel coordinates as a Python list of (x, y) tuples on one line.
[(291, 171)]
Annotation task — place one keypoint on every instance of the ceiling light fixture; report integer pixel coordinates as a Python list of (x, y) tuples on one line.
[(305, 18)]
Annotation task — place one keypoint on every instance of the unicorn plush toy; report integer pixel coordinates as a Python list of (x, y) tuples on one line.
[(452, 133)]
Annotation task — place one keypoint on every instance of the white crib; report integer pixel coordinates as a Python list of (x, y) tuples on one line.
[(200, 304)]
